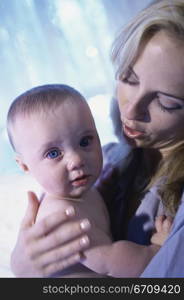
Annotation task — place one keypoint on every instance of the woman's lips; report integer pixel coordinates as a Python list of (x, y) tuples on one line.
[(132, 133)]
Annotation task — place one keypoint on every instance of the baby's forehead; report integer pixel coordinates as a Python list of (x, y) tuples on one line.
[(44, 108), (71, 107), (65, 103)]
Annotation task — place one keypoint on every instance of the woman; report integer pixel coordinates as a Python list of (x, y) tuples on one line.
[(150, 69)]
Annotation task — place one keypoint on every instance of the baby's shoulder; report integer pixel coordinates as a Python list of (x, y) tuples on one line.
[(97, 210), (49, 205), (94, 198)]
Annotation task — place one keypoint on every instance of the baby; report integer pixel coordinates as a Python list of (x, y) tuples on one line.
[(53, 133)]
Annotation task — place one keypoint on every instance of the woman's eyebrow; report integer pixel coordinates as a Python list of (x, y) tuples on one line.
[(162, 93), (171, 96)]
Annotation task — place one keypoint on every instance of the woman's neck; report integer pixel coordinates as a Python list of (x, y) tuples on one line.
[(151, 160), (166, 152), (148, 161)]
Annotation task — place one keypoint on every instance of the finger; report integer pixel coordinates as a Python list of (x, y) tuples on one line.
[(154, 239), (158, 222), (51, 222), (170, 219), (167, 224), (63, 252), (158, 240), (60, 266), (31, 211), (61, 235)]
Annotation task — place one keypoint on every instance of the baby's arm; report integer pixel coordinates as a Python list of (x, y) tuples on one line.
[(120, 259), (125, 258)]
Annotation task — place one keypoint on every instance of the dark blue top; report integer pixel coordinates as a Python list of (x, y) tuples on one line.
[(114, 185)]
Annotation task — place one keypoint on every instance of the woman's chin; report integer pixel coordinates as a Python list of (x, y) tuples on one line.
[(137, 142), (132, 142)]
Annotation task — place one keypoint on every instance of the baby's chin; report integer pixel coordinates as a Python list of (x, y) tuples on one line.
[(73, 193), (81, 191), (73, 196), (77, 194)]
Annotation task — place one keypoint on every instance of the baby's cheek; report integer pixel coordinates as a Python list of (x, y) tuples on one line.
[(97, 168), (48, 182)]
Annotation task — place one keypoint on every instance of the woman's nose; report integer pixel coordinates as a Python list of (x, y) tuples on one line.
[(75, 161), (136, 110)]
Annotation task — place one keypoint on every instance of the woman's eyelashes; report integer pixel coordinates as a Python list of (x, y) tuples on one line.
[(166, 104), (169, 107), (86, 141), (54, 153), (129, 77)]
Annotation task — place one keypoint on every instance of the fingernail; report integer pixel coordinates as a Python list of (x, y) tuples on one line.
[(85, 224), (84, 241), (70, 211)]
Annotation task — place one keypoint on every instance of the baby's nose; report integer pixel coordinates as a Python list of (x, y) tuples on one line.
[(75, 161)]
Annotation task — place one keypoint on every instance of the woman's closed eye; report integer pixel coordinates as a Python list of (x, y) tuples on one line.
[(129, 77), (169, 105), (54, 153), (86, 141)]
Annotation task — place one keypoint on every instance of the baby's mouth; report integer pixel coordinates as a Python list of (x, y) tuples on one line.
[(80, 180)]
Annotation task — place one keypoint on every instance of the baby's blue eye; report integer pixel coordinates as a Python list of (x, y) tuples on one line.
[(86, 141), (53, 153)]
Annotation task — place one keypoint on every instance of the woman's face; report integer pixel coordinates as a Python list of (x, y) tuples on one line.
[(151, 95)]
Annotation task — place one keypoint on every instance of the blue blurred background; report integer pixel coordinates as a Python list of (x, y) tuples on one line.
[(59, 41)]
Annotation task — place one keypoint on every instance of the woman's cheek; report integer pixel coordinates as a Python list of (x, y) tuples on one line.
[(122, 106), (122, 101)]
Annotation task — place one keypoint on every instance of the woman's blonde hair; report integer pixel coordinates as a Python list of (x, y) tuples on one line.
[(165, 15), (168, 16), (172, 170)]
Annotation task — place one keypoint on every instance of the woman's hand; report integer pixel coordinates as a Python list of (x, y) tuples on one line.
[(50, 245)]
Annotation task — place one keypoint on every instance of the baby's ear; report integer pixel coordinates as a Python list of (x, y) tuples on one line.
[(21, 164)]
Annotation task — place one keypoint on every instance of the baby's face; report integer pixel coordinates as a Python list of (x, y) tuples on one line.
[(60, 148)]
